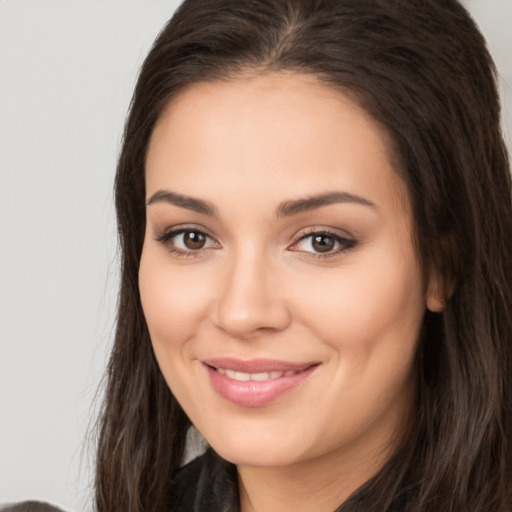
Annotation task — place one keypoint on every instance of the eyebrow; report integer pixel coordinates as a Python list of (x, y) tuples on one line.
[(289, 208), (285, 209), (190, 203)]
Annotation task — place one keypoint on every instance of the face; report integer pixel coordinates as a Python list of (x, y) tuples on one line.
[(278, 276)]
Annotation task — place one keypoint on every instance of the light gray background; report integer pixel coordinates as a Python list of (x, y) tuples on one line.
[(67, 69)]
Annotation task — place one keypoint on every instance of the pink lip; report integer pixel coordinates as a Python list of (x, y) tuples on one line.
[(256, 393)]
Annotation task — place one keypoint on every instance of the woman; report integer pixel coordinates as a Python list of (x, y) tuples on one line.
[(314, 208)]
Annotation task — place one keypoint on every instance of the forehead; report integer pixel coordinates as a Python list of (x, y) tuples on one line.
[(276, 133)]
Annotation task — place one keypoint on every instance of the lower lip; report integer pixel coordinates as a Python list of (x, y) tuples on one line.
[(253, 393)]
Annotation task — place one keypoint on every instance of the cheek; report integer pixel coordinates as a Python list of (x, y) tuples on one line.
[(173, 300), (374, 302)]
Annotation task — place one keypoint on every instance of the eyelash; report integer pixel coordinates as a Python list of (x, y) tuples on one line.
[(166, 238), (344, 244)]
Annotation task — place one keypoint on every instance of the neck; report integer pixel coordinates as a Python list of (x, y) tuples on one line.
[(320, 484)]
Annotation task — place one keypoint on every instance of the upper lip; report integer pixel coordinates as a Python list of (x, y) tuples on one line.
[(257, 365)]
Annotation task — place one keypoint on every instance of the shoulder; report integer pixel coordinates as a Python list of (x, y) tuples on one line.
[(30, 506), (206, 483)]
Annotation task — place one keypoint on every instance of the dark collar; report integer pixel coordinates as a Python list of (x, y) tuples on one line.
[(206, 484)]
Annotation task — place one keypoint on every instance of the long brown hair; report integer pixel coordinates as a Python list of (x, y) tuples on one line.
[(422, 70)]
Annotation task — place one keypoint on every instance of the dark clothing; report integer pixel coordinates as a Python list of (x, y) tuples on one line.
[(207, 484), (30, 506)]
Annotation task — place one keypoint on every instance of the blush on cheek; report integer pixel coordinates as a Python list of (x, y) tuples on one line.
[(174, 300), (357, 310), (168, 318)]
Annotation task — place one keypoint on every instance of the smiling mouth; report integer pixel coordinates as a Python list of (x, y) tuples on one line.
[(261, 376), (258, 382)]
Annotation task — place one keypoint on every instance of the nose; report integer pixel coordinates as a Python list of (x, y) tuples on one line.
[(250, 300)]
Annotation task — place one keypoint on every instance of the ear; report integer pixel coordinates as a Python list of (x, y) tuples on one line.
[(437, 292), (441, 282)]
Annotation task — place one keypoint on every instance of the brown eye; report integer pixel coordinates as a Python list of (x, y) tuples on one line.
[(194, 240), (187, 241), (323, 243)]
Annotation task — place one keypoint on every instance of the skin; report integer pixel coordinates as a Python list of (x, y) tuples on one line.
[(259, 288)]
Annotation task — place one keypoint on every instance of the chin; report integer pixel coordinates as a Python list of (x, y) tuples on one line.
[(255, 456), (258, 450)]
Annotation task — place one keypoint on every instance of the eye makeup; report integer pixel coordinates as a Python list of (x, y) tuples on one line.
[(317, 243)]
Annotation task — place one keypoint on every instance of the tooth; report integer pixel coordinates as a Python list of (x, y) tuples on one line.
[(260, 376)]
